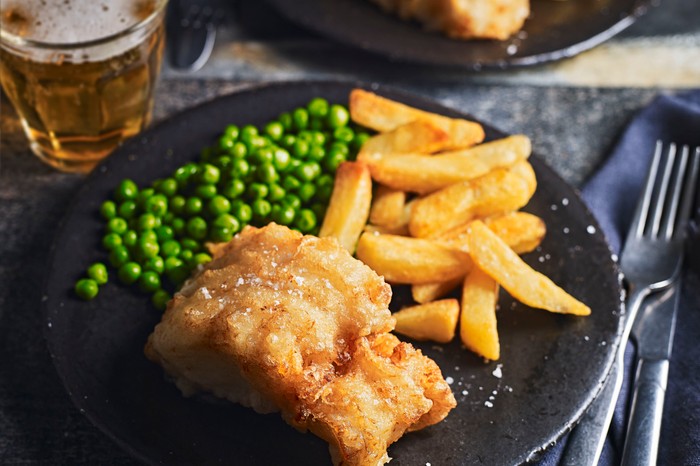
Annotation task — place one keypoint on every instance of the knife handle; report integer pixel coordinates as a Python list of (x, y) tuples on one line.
[(642, 440)]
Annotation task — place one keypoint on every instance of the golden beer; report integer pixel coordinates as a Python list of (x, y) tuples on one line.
[(81, 77)]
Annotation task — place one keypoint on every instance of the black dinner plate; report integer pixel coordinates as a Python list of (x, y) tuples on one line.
[(551, 367), (554, 30)]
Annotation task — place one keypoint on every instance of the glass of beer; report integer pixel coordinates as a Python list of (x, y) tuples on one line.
[(80, 73)]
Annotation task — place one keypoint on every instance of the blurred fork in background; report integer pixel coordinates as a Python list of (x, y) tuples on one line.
[(191, 32)]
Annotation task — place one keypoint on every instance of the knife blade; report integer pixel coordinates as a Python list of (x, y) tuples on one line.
[(653, 331)]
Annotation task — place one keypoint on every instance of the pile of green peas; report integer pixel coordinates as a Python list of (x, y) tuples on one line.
[(284, 172)]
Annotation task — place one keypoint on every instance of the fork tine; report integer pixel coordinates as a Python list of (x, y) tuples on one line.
[(642, 210), (690, 191), (658, 207), (676, 188)]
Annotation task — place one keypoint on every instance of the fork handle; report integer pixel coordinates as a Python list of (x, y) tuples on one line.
[(642, 441)]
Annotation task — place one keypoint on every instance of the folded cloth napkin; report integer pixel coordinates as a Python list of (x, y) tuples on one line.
[(612, 194)]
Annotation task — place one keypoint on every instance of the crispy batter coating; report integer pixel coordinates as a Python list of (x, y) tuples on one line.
[(464, 19), (283, 321)]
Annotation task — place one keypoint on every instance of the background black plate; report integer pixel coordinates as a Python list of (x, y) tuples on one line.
[(555, 30), (552, 365)]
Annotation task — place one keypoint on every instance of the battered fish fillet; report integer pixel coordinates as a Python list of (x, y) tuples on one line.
[(283, 321), (464, 19)]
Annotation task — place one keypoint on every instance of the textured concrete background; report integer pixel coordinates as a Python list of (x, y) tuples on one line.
[(572, 128)]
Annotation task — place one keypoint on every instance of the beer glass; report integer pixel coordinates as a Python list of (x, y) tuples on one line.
[(80, 73)]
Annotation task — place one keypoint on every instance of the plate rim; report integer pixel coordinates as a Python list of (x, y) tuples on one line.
[(258, 87)]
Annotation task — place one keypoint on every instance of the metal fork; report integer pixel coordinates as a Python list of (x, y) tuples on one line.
[(651, 260)]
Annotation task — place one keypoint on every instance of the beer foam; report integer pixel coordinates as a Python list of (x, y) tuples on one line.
[(72, 21)]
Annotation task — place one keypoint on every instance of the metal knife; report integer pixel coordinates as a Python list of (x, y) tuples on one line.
[(653, 331)]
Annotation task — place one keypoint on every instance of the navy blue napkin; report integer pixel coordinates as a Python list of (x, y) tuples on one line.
[(612, 194)]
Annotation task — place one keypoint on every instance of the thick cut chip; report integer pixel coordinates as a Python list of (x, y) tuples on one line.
[(382, 114), (435, 321), (525, 284), (432, 291), (499, 191), (424, 173), (348, 208), (417, 136), (411, 260), (477, 326), (387, 207)]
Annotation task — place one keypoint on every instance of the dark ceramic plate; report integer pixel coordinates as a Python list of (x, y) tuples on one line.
[(551, 368), (554, 30)]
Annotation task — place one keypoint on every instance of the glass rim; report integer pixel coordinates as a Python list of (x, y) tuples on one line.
[(10, 38)]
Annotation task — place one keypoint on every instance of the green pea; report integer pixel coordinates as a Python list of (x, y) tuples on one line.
[(261, 208), (218, 205), (301, 148), (201, 258), (164, 233), (147, 222), (288, 141), (291, 183), (266, 173), (126, 190), (117, 225), (186, 255), (143, 196), (283, 214), (183, 174), (318, 107), (172, 263), (257, 191), (160, 299), (227, 221), (343, 134), (171, 248), (240, 168), (222, 163), (129, 272), (205, 191), (333, 161), (98, 272), (286, 120), (265, 155), (148, 235), (318, 138), (338, 116), (323, 193), (197, 228), (306, 192), (359, 140), (316, 124), (86, 288), (189, 244), (220, 234), (108, 210), (130, 238), (292, 201), (274, 130), (147, 247), (157, 205), (281, 159), (248, 132), (301, 118), (233, 189), (316, 153), (339, 146), (305, 220), (168, 187), (111, 241), (255, 143), (193, 206), (231, 132), (325, 180), (176, 270), (308, 171), (243, 212), (225, 144), (239, 150), (154, 264), (177, 204), (149, 281), (209, 174), (276, 192), (178, 226)]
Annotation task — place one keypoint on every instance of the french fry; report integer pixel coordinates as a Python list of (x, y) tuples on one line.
[(522, 231), (411, 260), (387, 207), (381, 114), (349, 205), (436, 321), (415, 136), (501, 190), (432, 291), (424, 173), (528, 286), (477, 328)]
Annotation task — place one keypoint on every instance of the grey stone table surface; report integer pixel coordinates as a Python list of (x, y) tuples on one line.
[(572, 124)]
